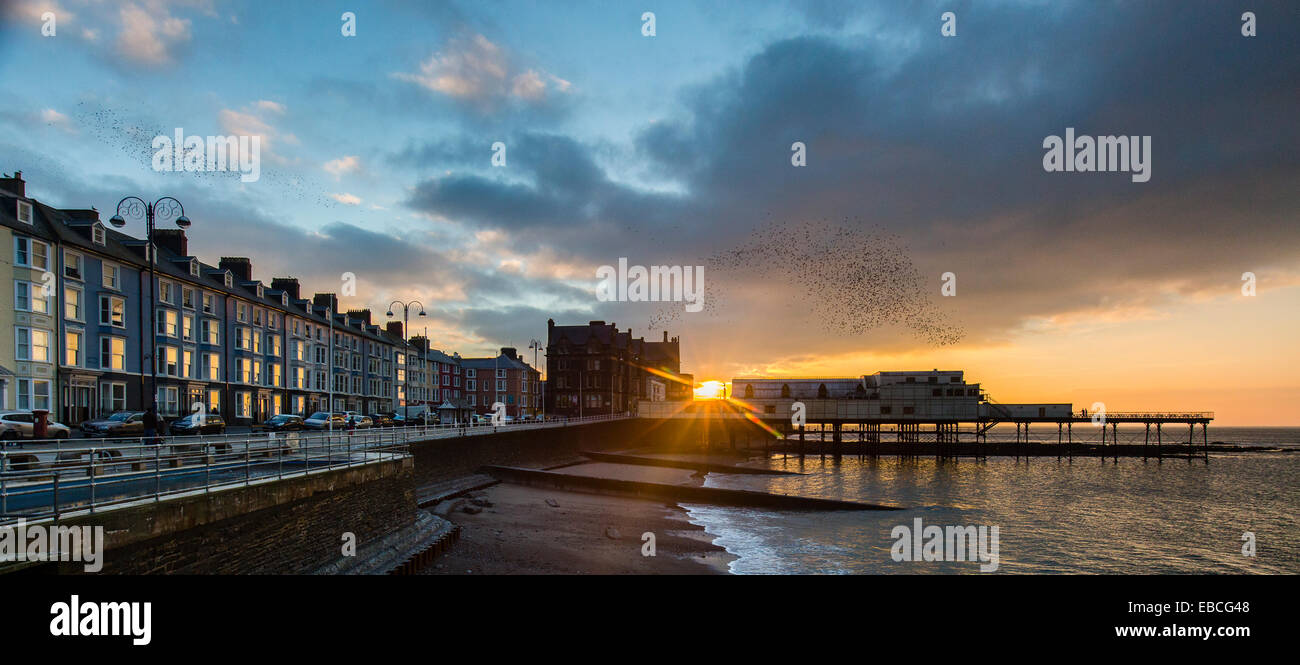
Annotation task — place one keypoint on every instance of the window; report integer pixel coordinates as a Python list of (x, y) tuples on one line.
[(194, 267), (112, 353), (72, 265), (30, 297), (257, 316), (228, 280), (275, 378), (112, 397), (241, 312), (72, 348), (243, 404), (33, 394), (168, 361), (469, 383), (31, 253), (209, 303), (299, 377), (168, 323), (187, 327), (33, 344), (97, 234), (24, 212), (168, 400), (187, 298), (187, 364), (501, 374), (112, 311), (214, 401), (470, 374), (213, 367), (72, 304), (211, 331), (112, 277)]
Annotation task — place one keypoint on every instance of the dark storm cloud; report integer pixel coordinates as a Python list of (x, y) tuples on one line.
[(941, 142)]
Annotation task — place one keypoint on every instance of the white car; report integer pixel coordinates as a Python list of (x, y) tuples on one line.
[(22, 424)]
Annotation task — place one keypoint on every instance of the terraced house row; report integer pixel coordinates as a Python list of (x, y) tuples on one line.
[(81, 309)]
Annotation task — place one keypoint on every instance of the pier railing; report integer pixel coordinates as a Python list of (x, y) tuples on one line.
[(54, 477)]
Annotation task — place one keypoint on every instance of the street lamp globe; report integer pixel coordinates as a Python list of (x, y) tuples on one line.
[(183, 222), (116, 220)]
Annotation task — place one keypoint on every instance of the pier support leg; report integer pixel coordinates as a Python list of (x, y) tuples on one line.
[(1205, 441), (1191, 441), (1103, 443), (1069, 441), (1160, 458), (801, 440), (1114, 439), (837, 434), (1058, 441)]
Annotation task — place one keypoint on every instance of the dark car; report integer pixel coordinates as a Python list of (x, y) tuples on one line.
[(211, 424), (383, 420), (282, 423), (121, 423)]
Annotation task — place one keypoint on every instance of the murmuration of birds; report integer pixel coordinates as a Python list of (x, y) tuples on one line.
[(848, 279)]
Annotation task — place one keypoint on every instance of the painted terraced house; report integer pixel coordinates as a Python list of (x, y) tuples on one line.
[(83, 304), (80, 312)]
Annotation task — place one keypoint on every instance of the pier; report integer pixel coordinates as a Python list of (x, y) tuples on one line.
[(913, 414)]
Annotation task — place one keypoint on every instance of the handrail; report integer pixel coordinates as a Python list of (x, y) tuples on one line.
[(50, 477)]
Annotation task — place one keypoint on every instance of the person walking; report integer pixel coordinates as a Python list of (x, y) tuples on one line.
[(151, 425)]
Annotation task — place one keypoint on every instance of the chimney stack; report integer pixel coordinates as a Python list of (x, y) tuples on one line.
[(394, 328), (173, 240), (287, 284), (240, 266), (14, 184), (359, 315), (326, 300)]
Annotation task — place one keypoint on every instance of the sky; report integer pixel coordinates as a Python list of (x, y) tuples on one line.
[(923, 155)]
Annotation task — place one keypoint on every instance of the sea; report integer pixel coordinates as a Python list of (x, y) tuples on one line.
[(1235, 514)]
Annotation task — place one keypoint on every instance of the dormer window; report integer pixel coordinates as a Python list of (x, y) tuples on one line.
[(260, 293), (24, 212), (284, 299), (194, 267), (229, 280), (97, 234)]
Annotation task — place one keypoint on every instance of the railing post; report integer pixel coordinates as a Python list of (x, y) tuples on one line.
[(248, 462), (92, 481), (157, 470), (56, 495), (4, 496)]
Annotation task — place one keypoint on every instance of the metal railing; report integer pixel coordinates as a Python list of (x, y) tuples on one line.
[(54, 477)]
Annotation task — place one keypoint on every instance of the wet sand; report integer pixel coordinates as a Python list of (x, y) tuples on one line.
[(583, 534)]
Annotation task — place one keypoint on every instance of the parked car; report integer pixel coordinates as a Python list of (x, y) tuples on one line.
[(358, 420), (383, 419), (212, 424), (120, 423), (22, 424), (282, 423), (321, 420)]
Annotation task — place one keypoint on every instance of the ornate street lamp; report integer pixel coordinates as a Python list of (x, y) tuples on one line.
[(136, 208), (406, 330)]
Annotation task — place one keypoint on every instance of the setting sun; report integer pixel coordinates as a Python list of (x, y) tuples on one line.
[(710, 390)]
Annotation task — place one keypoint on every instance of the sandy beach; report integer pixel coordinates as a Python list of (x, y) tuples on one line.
[(531, 531)]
